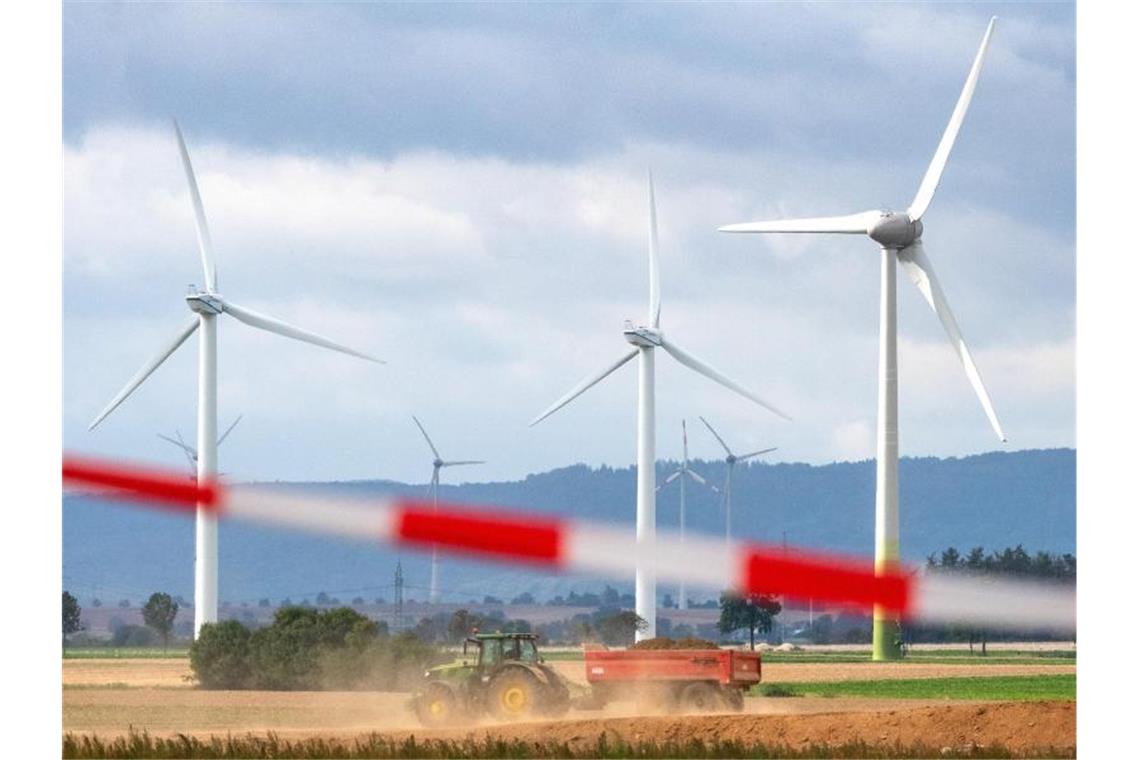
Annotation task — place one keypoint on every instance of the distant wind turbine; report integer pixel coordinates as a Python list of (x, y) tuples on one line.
[(191, 452), (207, 306), (437, 464), (645, 338), (730, 461), (681, 472), (899, 237)]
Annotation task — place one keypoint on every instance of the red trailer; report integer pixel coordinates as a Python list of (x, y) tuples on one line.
[(699, 680)]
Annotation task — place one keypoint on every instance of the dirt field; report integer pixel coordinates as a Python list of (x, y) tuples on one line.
[(174, 673), (110, 697)]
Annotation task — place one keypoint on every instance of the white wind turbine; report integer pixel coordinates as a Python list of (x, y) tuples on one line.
[(899, 236), (191, 452), (436, 465), (681, 472), (207, 305), (645, 338), (730, 461)]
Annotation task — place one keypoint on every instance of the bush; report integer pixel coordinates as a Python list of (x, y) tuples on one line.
[(220, 655), (309, 649), (133, 636)]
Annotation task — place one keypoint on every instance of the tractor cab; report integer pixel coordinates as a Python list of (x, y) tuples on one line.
[(495, 649)]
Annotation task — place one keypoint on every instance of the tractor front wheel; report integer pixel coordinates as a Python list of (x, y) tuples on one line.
[(437, 706), (513, 695)]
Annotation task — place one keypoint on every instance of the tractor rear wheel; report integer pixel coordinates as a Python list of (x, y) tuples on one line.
[(437, 706), (701, 697), (514, 694)]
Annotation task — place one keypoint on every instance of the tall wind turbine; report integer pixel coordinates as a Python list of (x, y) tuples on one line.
[(645, 338), (899, 237), (730, 461), (207, 306), (191, 452), (681, 472), (436, 465)]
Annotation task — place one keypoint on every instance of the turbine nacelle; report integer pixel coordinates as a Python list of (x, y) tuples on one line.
[(205, 303), (641, 336), (895, 230)]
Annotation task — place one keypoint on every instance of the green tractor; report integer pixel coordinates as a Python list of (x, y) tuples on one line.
[(505, 679)]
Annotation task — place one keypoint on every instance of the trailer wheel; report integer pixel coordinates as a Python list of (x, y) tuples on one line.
[(513, 695), (701, 697), (437, 706), (734, 698)]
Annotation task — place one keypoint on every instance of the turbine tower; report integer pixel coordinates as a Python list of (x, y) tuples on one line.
[(645, 338), (681, 472), (207, 306), (730, 461), (191, 452), (899, 237), (436, 465)]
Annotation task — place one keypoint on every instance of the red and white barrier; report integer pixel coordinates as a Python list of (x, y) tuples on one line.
[(579, 546)]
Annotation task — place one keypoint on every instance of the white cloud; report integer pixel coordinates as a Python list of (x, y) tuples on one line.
[(491, 286)]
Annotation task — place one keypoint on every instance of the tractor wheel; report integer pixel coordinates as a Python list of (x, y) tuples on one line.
[(701, 697), (514, 694), (437, 706)]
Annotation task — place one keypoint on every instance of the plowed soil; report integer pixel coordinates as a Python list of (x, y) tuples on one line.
[(110, 697)]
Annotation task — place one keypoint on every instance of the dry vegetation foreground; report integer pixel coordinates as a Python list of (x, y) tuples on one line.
[(108, 698)]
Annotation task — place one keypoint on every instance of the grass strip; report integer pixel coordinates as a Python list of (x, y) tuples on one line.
[(142, 745), (1002, 688)]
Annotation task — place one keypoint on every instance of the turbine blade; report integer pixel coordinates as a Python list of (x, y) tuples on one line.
[(231, 427), (205, 245), (930, 181), (273, 325), (179, 444), (717, 436), (917, 265), (583, 385), (463, 461), (654, 266), (147, 368), (685, 441), (697, 478), (754, 454), (672, 477), (852, 224), (426, 437), (697, 365)]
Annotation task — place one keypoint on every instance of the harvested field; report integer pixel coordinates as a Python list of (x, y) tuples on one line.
[(109, 698)]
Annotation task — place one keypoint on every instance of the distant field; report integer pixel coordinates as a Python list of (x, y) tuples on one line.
[(124, 653), (1004, 688), (935, 657)]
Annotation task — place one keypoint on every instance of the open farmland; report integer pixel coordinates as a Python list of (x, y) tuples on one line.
[(110, 698)]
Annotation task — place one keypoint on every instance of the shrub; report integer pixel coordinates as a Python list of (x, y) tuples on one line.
[(220, 655), (133, 636)]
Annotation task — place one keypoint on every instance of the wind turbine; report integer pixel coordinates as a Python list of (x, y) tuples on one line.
[(437, 464), (645, 338), (899, 236), (191, 452), (681, 472), (730, 461), (207, 306)]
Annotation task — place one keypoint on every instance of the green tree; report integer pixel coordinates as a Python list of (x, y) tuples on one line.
[(755, 613), (159, 613), (219, 656), (461, 624), (71, 613), (620, 627)]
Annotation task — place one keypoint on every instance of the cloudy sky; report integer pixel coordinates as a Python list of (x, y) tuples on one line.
[(461, 190)]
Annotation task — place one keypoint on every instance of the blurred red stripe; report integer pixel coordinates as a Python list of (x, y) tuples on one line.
[(498, 534), (824, 579), (141, 484)]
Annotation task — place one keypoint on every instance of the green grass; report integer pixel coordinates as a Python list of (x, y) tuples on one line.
[(123, 653), (137, 745), (1004, 688)]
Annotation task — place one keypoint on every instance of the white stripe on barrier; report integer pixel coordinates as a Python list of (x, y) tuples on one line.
[(990, 602), (700, 562), (374, 519)]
